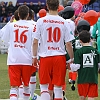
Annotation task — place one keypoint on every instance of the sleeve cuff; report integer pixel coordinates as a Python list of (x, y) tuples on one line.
[(74, 67)]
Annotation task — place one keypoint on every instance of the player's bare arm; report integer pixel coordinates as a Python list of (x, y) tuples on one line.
[(69, 49), (35, 49)]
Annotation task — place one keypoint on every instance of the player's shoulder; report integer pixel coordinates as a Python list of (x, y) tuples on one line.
[(10, 24), (60, 18), (88, 48), (65, 23), (31, 22), (68, 20), (22, 23), (78, 51), (41, 19), (51, 17), (94, 49)]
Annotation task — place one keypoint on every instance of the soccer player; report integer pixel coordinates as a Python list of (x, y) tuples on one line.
[(32, 84), (52, 31), (71, 24), (86, 61), (51, 86), (16, 17), (19, 36), (76, 45), (72, 75)]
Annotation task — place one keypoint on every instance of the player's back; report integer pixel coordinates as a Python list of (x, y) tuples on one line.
[(72, 25), (53, 31), (88, 57), (19, 35), (31, 22), (33, 25)]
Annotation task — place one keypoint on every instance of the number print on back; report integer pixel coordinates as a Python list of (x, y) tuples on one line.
[(77, 44), (34, 28), (22, 38), (54, 35), (87, 60)]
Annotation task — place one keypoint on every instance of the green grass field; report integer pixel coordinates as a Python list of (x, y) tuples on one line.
[(4, 82)]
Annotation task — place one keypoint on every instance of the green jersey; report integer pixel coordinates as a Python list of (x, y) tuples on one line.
[(88, 58), (76, 43)]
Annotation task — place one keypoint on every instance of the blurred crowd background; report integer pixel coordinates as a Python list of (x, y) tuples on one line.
[(7, 9)]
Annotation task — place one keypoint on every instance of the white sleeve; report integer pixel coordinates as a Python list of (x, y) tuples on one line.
[(72, 27), (0, 33), (34, 31), (6, 33), (38, 31), (68, 33), (74, 67)]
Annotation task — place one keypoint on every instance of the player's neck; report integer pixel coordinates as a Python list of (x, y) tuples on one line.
[(23, 19), (85, 44), (53, 12)]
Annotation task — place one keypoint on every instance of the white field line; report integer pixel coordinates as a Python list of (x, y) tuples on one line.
[(4, 90), (38, 98)]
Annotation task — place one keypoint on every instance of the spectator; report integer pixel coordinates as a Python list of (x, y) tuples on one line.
[(25, 3), (4, 20), (10, 15), (31, 6), (17, 5), (3, 12), (2, 5), (10, 8), (38, 7)]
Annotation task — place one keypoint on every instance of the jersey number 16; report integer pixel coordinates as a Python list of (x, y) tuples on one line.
[(22, 38)]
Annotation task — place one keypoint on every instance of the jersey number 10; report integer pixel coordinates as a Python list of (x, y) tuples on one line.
[(54, 35)]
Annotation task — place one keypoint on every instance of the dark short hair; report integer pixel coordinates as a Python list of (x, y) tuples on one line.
[(16, 15), (53, 4), (31, 14), (23, 11), (85, 36)]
